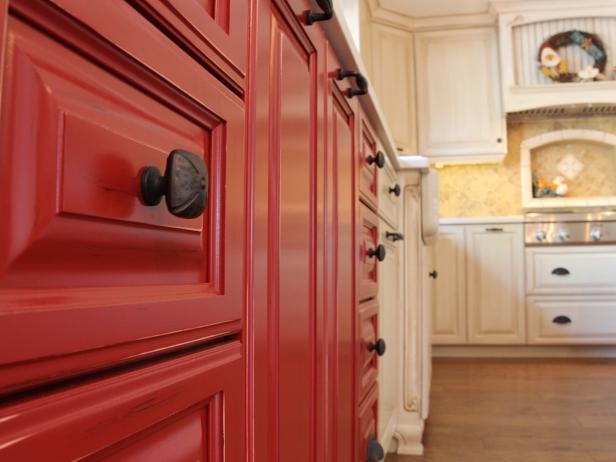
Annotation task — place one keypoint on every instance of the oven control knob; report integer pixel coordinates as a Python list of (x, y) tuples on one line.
[(563, 236), (541, 235), (596, 234)]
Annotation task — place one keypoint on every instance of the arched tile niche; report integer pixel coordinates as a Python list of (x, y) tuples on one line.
[(532, 145)]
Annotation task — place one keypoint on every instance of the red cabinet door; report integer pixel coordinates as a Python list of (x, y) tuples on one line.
[(287, 136), (213, 31), (367, 361), (342, 312), (368, 265), (368, 173), (90, 276), (186, 409)]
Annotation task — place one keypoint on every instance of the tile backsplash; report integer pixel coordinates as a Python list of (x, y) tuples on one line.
[(495, 189)]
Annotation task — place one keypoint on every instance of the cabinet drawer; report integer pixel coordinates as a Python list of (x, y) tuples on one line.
[(390, 194), (214, 32), (368, 168), (368, 333), (571, 270), (572, 320), (367, 424), (89, 275), (190, 408), (368, 243)]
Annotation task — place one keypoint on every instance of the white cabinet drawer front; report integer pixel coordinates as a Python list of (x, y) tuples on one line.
[(388, 200), (567, 320), (572, 270)]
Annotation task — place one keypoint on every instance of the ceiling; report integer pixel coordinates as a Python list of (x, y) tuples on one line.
[(427, 8)]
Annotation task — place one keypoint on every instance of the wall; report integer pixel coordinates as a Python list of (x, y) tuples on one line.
[(494, 189)]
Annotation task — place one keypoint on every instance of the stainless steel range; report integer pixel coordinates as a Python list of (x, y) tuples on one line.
[(570, 228)]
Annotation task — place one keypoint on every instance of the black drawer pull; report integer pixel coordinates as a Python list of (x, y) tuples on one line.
[(495, 230), (378, 159), (562, 320), (395, 190), (433, 274), (379, 252), (360, 81), (379, 346), (394, 236), (328, 12), (561, 272)]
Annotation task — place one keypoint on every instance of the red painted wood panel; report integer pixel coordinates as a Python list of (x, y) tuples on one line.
[(89, 276), (368, 415), (368, 266), (215, 32), (185, 409), (368, 173), (288, 145), (367, 361), (342, 134)]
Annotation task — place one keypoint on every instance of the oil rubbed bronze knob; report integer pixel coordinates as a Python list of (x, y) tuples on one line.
[(184, 184), (395, 190), (378, 159), (379, 252), (379, 346), (374, 450)]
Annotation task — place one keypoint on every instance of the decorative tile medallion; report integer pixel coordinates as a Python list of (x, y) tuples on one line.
[(570, 167)]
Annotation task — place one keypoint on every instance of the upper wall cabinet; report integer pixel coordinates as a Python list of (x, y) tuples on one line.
[(460, 114), (392, 58)]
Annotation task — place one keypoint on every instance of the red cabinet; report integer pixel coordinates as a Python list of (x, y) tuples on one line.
[(129, 333), (89, 275), (184, 409)]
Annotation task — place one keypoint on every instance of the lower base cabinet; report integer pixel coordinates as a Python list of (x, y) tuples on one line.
[(184, 409), (479, 295)]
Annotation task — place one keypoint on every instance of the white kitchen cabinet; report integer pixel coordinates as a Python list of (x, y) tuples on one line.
[(460, 114), (449, 287), (392, 63), (390, 194), (495, 284), (390, 318), (572, 320)]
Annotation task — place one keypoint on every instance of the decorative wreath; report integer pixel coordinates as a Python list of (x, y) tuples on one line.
[(556, 68)]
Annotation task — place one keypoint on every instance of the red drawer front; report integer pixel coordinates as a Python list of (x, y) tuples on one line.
[(368, 266), (367, 360), (89, 275), (368, 413), (368, 173), (214, 30), (186, 409)]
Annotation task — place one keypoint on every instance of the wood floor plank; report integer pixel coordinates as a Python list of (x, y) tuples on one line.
[(521, 410)]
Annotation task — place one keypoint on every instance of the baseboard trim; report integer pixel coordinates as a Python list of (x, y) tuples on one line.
[(524, 351)]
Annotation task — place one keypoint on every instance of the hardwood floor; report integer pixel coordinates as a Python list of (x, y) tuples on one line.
[(512, 410)]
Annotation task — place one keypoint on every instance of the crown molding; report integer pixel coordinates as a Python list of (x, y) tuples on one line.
[(390, 18), (527, 6)]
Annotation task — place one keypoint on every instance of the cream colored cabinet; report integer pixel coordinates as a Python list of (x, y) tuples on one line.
[(495, 284), (390, 317), (391, 59), (390, 192), (449, 287), (460, 114)]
